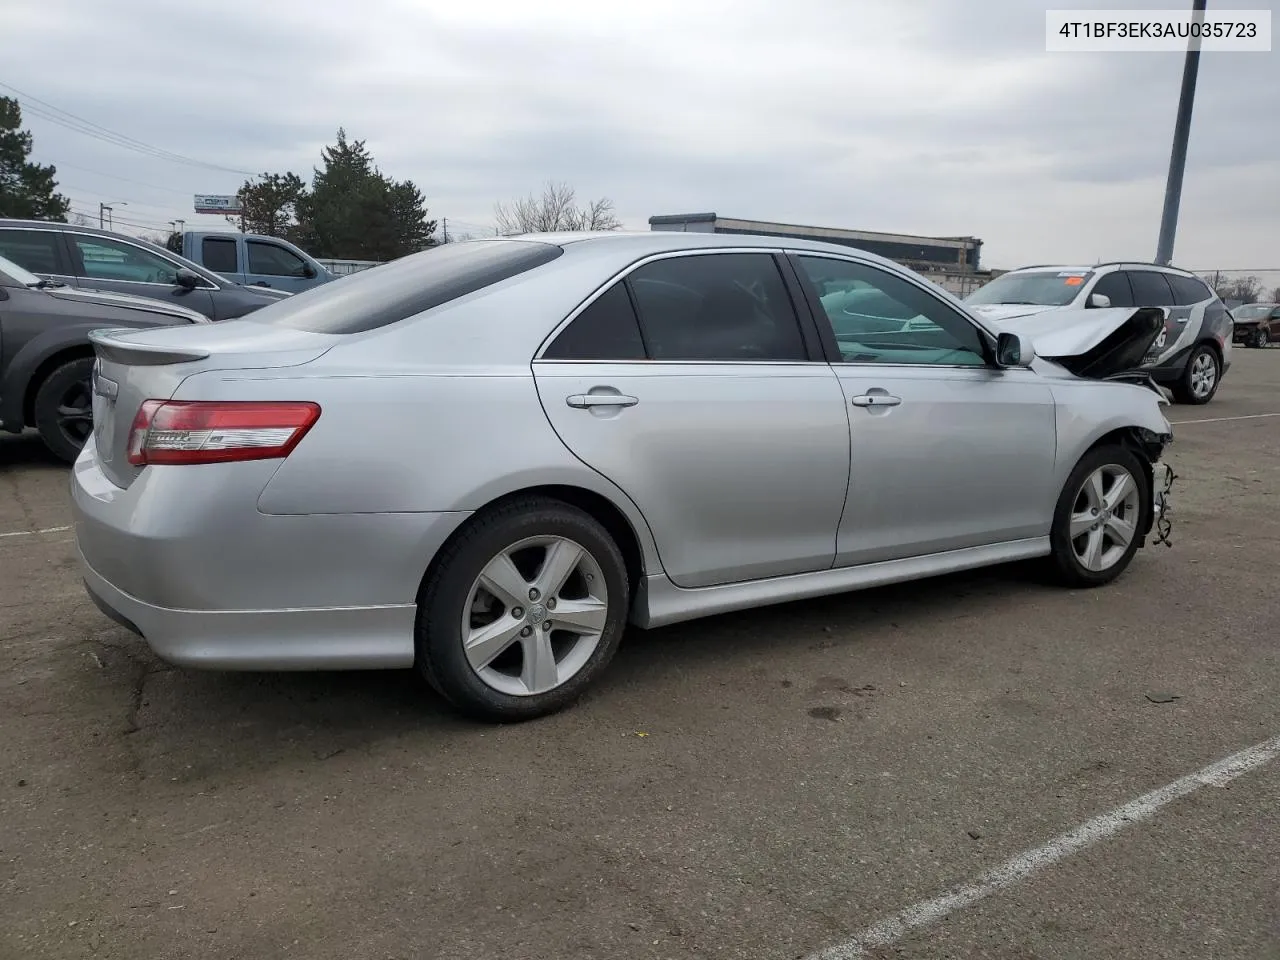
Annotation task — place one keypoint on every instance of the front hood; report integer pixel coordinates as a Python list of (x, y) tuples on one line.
[(1007, 311), (1091, 342), (126, 301)]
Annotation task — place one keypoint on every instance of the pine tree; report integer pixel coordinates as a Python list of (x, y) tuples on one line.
[(27, 190)]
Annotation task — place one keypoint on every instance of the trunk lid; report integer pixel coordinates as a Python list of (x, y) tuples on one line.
[(1094, 343), (137, 365)]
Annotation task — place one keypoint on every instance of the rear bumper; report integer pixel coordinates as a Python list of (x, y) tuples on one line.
[(184, 558)]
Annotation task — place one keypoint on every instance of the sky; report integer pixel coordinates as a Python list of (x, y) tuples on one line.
[(936, 117)]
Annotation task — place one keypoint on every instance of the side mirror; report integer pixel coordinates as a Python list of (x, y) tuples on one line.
[(1100, 300), (308, 271), (186, 279), (1013, 350)]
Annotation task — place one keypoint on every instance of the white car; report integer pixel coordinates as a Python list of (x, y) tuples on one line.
[(1190, 355)]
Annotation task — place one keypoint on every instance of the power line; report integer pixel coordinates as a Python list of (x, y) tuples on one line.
[(98, 173), (88, 128)]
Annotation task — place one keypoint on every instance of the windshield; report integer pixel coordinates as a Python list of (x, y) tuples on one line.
[(1252, 311), (1048, 288), (23, 276)]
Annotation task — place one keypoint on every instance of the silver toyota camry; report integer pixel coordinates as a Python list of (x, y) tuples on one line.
[(485, 460)]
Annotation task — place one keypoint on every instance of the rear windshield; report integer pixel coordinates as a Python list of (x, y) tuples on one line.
[(1045, 288), (405, 287)]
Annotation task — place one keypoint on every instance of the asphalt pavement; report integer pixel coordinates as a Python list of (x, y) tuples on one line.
[(763, 785)]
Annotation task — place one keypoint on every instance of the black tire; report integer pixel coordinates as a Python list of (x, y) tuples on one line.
[(1182, 391), (1065, 565), (440, 656), (67, 388), (1259, 339)]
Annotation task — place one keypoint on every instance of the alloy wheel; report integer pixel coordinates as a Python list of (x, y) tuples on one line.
[(1204, 374), (75, 412), (1104, 517), (534, 615)]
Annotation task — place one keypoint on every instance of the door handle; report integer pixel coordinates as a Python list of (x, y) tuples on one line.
[(875, 400), (581, 401)]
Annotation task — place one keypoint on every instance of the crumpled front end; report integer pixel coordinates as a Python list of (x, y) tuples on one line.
[(1100, 344)]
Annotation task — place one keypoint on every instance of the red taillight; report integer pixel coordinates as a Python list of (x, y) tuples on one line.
[(197, 431)]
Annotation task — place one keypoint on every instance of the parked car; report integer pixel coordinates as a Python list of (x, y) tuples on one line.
[(1256, 324), (253, 260), (45, 356), (485, 459), (1191, 356), (92, 259)]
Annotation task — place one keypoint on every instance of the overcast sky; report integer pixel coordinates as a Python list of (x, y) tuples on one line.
[(942, 117)]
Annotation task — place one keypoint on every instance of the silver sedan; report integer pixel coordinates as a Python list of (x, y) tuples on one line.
[(485, 460)]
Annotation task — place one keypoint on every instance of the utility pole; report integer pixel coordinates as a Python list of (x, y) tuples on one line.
[(444, 227), (102, 209), (1181, 131)]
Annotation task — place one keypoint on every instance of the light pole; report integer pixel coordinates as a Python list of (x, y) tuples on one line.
[(1181, 131), (105, 209)]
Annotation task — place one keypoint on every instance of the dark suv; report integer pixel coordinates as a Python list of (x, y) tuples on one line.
[(46, 360), (93, 259)]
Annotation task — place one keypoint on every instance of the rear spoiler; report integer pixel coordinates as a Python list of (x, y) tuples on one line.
[(112, 345)]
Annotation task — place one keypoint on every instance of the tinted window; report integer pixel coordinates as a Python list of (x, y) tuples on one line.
[(219, 254), (405, 287), (273, 260), (880, 318), (1116, 286), (1188, 290), (106, 259), (1150, 289), (723, 306), (34, 250), (606, 330)]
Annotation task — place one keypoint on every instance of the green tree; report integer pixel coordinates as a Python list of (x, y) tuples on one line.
[(27, 190), (354, 212), (270, 205)]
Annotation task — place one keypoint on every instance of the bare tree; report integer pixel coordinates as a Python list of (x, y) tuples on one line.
[(1236, 289), (556, 209), (1275, 295), (80, 220)]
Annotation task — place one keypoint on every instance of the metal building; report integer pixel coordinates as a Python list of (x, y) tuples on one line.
[(952, 262)]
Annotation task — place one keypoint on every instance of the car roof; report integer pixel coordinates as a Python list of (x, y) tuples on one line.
[(1111, 265), (645, 242)]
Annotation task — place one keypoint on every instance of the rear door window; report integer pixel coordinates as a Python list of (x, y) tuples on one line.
[(219, 254), (1150, 289), (39, 251), (402, 288), (716, 307)]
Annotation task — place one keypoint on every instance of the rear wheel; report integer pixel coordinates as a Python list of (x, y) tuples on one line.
[(1097, 521), (524, 611), (1199, 380), (64, 408)]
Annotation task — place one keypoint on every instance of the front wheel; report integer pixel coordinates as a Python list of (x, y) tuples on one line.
[(1097, 521), (1260, 339), (64, 408), (1199, 380), (523, 611)]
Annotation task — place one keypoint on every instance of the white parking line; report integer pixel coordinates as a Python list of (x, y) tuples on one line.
[(927, 912), (32, 533), (1251, 416)]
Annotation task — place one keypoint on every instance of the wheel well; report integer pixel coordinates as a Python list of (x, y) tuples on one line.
[(600, 509), (47, 366), (1147, 447)]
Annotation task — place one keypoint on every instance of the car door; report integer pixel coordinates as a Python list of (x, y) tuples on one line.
[(691, 386), (116, 265), (947, 451), (272, 265), (40, 251), (222, 255)]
